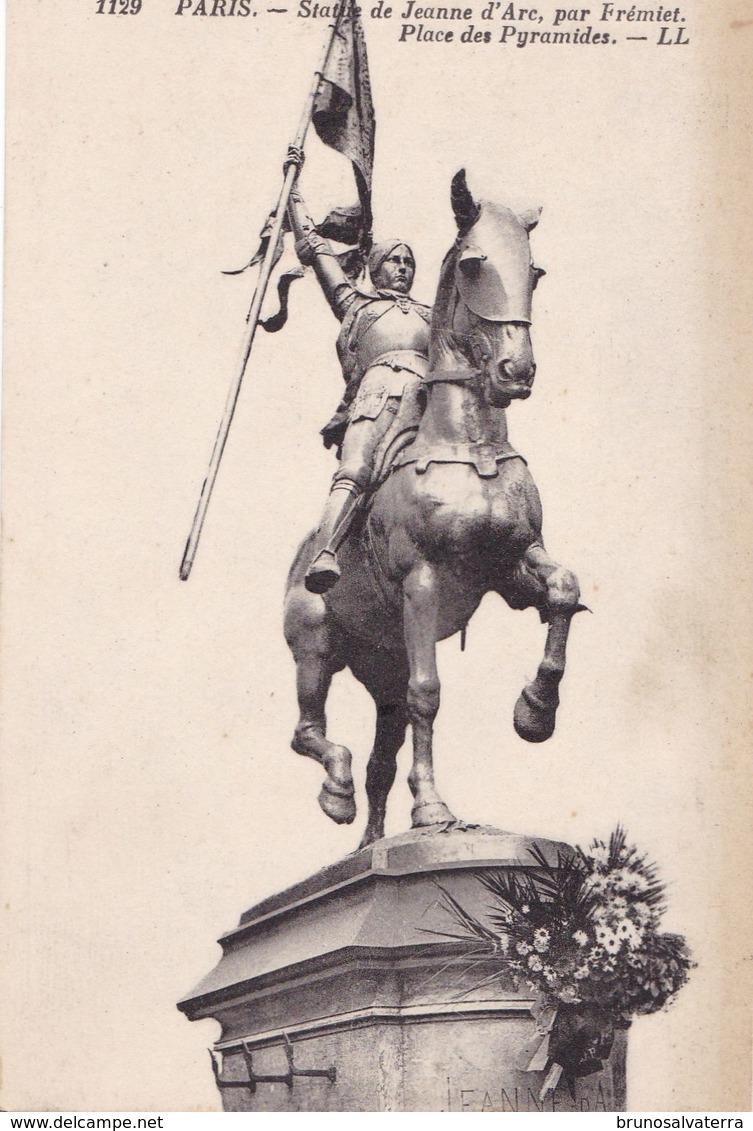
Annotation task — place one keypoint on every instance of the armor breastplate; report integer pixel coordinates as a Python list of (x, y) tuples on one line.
[(394, 330)]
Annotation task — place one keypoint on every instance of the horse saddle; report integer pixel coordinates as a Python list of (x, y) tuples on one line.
[(484, 457), (401, 448)]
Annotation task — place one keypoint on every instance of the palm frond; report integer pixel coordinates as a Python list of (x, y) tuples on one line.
[(496, 976), (455, 962), (474, 927)]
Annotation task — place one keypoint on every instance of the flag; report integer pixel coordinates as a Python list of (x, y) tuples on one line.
[(276, 321), (343, 117), (343, 114)]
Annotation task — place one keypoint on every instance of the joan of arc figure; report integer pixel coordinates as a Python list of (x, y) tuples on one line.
[(383, 344)]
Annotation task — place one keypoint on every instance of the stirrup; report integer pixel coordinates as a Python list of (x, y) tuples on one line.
[(323, 573)]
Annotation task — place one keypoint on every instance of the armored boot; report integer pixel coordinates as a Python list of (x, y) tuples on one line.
[(339, 512)]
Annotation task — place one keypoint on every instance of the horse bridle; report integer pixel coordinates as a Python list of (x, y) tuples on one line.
[(475, 343)]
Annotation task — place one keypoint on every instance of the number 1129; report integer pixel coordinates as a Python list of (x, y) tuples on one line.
[(118, 7)]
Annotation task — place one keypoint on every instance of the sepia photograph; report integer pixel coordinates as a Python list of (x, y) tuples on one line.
[(376, 568)]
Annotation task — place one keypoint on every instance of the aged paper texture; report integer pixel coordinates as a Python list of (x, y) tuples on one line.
[(149, 791)]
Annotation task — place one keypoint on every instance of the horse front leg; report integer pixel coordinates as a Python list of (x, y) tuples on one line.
[(316, 662), (536, 709), (420, 610)]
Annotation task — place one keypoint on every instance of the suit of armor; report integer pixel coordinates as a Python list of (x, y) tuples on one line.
[(383, 343)]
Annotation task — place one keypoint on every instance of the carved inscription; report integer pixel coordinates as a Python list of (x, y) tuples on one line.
[(514, 1097)]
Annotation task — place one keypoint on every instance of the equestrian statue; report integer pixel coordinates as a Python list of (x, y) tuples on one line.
[(431, 507)]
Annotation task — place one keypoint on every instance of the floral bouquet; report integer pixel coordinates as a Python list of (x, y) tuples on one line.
[(584, 935)]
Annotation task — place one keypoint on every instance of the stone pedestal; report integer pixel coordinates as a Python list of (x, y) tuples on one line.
[(339, 994)]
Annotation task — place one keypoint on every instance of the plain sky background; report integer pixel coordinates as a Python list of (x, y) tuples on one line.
[(150, 794)]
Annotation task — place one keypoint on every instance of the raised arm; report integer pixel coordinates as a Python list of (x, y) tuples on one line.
[(313, 250)]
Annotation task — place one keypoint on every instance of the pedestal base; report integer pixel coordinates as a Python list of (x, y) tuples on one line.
[(343, 994)]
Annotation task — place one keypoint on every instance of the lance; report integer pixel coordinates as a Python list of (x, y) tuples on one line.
[(291, 168)]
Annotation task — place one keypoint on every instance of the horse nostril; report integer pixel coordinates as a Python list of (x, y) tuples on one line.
[(517, 369)]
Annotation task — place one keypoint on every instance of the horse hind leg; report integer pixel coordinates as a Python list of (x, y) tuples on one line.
[(384, 674), (391, 725), (316, 663), (536, 709)]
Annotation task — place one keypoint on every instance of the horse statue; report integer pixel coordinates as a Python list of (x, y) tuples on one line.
[(457, 516)]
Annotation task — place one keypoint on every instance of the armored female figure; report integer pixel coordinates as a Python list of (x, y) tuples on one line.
[(382, 346)]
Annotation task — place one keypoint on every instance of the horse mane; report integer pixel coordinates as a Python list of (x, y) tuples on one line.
[(442, 340)]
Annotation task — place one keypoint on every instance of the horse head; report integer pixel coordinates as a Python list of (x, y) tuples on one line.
[(483, 311)]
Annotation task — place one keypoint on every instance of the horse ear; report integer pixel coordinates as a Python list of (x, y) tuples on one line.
[(463, 205), (469, 262), (530, 218)]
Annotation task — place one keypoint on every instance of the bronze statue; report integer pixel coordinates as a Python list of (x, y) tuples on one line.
[(455, 515), (383, 344)]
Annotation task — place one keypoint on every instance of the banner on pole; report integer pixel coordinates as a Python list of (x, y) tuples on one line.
[(343, 113)]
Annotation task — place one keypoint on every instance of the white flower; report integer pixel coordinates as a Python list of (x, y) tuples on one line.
[(626, 880), (525, 909), (607, 938), (630, 933), (541, 940), (632, 881), (642, 912), (581, 973), (580, 937), (599, 854), (535, 963), (568, 994), (523, 948)]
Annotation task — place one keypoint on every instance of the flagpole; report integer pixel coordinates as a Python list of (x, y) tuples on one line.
[(291, 167)]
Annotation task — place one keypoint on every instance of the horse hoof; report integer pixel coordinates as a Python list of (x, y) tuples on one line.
[(431, 813), (338, 802), (370, 837), (534, 719)]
